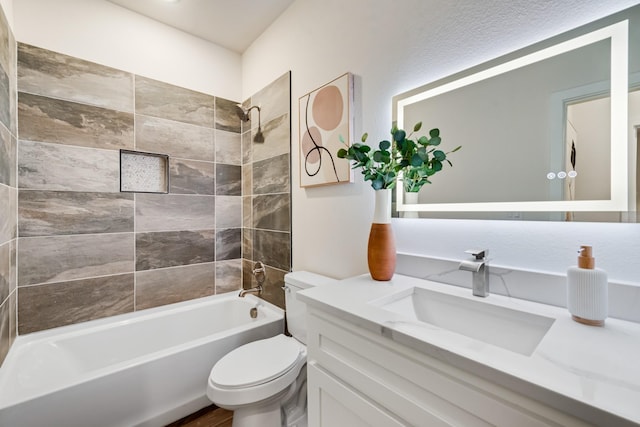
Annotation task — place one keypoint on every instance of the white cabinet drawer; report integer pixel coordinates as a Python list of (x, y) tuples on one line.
[(416, 387), (332, 404)]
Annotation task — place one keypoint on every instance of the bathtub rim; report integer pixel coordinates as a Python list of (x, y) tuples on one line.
[(83, 328)]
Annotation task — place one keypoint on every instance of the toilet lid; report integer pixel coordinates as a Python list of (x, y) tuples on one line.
[(257, 362)]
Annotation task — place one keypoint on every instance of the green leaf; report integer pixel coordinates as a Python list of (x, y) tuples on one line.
[(341, 138), (417, 126), (456, 149), (434, 132), (364, 137), (384, 145), (399, 135), (377, 183), (423, 140), (439, 155), (360, 157), (409, 146), (435, 140), (342, 153), (416, 160), (389, 178), (437, 166)]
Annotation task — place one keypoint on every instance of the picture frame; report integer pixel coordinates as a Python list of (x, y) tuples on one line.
[(325, 126)]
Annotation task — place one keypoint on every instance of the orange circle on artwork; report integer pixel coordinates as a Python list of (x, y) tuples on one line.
[(327, 107), (308, 144)]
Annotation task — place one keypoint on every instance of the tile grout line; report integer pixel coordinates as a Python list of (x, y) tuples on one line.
[(135, 198), (173, 267), (17, 163), (215, 199)]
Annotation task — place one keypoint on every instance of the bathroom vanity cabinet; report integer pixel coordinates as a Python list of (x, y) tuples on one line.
[(369, 367), (358, 378)]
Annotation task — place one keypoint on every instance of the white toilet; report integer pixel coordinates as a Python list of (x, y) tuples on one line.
[(265, 382)]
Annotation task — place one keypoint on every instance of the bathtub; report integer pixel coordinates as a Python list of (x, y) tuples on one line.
[(147, 368)]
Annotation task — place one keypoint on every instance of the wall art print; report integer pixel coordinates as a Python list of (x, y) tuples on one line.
[(325, 117)]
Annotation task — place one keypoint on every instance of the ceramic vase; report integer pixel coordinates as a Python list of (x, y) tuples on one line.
[(410, 198), (381, 250)]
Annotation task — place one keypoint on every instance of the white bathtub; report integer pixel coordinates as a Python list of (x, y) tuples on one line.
[(138, 369)]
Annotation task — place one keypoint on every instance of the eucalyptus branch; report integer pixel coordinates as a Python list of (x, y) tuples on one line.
[(418, 159)]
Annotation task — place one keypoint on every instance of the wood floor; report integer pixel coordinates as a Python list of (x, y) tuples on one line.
[(211, 416)]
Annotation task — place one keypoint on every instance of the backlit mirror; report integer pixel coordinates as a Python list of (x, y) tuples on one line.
[(547, 133)]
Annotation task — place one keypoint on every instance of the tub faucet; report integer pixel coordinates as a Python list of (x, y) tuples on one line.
[(257, 290), (479, 268), (260, 273)]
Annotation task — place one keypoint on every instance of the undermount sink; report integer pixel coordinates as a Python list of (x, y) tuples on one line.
[(510, 329)]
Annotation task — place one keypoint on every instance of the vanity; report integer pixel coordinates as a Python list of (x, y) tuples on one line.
[(412, 352)]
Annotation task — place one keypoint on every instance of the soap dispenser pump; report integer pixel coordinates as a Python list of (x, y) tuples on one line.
[(587, 290)]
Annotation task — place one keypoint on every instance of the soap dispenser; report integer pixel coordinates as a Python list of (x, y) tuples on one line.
[(587, 290)]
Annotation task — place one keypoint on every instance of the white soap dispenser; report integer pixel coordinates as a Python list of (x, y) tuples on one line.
[(587, 290)]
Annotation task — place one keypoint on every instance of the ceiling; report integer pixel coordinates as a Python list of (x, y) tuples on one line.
[(233, 24)]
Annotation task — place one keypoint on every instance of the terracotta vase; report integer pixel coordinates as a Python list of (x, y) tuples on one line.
[(381, 251)]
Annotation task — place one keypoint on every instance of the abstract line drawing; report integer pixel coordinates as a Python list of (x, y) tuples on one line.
[(325, 115)]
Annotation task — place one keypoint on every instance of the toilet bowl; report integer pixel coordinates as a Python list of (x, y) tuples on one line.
[(264, 382)]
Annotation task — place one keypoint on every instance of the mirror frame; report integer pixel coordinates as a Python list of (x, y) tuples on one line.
[(619, 35)]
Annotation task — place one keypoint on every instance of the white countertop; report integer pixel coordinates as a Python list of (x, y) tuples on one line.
[(590, 372)]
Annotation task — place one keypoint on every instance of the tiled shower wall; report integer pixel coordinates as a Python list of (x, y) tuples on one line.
[(8, 187), (266, 181), (85, 249)]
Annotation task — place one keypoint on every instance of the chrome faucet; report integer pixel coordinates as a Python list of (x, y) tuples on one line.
[(479, 268), (260, 273)]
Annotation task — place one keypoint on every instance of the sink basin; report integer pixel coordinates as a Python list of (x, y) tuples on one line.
[(510, 329)]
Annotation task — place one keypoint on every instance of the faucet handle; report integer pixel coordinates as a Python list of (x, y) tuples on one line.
[(478, 254)]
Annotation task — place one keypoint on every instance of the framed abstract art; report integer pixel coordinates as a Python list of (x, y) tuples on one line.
[(326, 118)]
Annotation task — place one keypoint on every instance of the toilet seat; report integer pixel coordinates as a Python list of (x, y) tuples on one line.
[(259, 371), (257, 363)]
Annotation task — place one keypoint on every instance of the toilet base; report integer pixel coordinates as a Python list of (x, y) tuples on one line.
[(289, 404), (258, 416)]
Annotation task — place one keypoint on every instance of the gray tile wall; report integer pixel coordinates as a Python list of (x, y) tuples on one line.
[(86, 250), (8, 188), (266, 191)]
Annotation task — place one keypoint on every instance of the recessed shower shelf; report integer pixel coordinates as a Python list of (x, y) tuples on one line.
[(144, 172)]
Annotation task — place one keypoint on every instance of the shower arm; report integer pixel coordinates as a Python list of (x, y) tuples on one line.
[(258, 108)]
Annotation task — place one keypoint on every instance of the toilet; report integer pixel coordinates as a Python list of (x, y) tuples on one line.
[(265, 382)]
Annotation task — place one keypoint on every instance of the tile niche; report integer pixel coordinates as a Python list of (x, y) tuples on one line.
[(144, 172)]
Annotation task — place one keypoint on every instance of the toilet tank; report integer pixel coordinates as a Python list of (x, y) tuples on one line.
[(296, 310)]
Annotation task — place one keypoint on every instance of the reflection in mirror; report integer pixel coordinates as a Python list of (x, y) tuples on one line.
[(544, 132)]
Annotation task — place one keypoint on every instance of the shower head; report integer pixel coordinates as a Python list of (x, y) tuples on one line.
[(243, 114)]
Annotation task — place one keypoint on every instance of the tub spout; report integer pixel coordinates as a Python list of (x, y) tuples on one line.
[(257, 290)]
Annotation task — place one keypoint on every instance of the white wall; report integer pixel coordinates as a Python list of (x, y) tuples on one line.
[(108, 34), (392, 47)]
